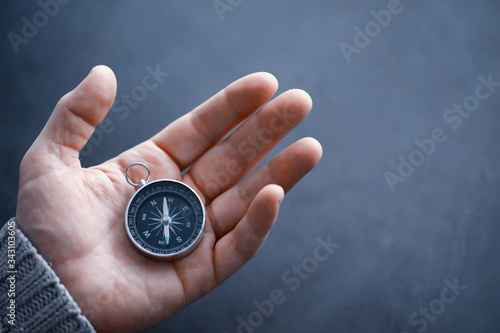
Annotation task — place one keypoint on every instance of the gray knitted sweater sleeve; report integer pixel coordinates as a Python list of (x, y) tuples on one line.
[(32, 299)]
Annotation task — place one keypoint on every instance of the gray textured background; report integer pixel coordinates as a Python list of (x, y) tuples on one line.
[(398, 247)]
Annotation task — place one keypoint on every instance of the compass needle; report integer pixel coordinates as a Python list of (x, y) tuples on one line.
[(165, 207), (167, 233)]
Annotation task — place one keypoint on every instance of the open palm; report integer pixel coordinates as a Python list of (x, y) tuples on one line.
[(75, 216)]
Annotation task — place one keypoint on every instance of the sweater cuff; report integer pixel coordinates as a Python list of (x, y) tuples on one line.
[(32, 299)]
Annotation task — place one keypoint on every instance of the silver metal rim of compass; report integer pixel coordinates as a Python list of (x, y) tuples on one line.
[(177, 255)]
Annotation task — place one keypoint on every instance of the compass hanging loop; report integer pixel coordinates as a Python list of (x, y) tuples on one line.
[(141, 182)]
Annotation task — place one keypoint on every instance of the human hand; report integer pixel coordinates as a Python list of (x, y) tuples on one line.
[(74, 216)]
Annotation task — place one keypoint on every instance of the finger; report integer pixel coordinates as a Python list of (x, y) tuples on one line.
[(235, 157), (241, 244), (78, 113), (285, 170), (190, 136)]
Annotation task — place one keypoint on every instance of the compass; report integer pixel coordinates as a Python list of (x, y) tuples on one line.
[(164, 218)]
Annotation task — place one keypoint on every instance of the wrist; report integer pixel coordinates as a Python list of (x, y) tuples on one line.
[(33, 299)]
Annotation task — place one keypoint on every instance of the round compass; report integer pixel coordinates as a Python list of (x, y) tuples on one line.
[(164, 218)]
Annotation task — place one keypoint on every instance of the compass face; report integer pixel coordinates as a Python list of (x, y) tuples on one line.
[(165, 219)]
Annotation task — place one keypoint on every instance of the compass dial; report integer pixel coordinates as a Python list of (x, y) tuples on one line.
[(165, 219)]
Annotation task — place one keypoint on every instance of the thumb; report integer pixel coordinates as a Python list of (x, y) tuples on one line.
[(77, 114)]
